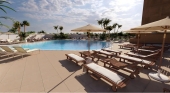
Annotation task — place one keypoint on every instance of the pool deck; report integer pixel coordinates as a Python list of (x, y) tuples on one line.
[(49, 71)]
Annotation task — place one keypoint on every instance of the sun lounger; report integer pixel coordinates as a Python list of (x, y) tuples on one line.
[(145, 50), (108, 54), (115, 79), (115, 51), (2, 51), (23, 51), (131, 46), (8, 50), (116, 65), (166, 90), (138, 60), (76, 58), (152, 56), (86, 54)]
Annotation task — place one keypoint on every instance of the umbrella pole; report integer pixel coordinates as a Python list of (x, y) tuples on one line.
[(138, 41), (89, 42), (162, 50), (158, 76)]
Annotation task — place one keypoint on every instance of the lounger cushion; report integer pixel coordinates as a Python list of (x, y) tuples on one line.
[(105, 52), (76, 57), (130, 53), (135, 59), (107, 73), (107, 49), (141, 55)]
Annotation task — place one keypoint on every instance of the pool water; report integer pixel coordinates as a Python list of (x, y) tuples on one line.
[(66, 45)]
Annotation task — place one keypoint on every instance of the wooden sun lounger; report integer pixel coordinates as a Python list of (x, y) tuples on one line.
[(107, 54), (152, 56), (138, 60), (75, 58), (145, 50), (114, 78), (86, 54), (116, 65), (115, 51), (131, 46), (166, 90)]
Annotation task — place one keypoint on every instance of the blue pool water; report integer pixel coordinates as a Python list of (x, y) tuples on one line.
[(66, 45)]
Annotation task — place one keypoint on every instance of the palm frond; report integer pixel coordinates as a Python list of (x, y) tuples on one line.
[(8, 7), (3, 10), (5, 17), (3, 25), (3, 1)]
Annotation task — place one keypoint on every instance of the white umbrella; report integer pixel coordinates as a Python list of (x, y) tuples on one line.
[(88, 28), (162, 25)]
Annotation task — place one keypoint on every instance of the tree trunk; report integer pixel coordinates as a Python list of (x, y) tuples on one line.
[(18, 30), (24, 28)]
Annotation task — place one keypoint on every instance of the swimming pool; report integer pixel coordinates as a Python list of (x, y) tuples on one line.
[(65, 45)]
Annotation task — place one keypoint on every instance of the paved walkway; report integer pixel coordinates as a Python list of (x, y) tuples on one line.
[(49, 71)]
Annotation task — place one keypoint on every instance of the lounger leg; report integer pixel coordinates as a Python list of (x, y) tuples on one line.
[(114, 88), (146, 67), (132, 75), (77, 63)]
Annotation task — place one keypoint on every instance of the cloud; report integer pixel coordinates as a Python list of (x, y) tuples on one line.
[(122, 5), (72, 13), (10, 1)]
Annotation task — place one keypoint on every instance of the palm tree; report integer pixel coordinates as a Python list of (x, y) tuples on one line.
[(17, 25), (106, 22), (61, 28), (12, 30), (56, 28), (25, 23), (22, 35), (109, 28), (100, 22), (114, 26), (119, 26)]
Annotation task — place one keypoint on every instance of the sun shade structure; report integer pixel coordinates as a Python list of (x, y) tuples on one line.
[(162, 25), (138, 32), (88, 28), (9, 33)]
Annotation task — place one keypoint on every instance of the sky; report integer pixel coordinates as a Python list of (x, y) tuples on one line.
[(71, 14)]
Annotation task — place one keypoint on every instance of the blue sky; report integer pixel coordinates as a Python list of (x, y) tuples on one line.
[(44, 14)]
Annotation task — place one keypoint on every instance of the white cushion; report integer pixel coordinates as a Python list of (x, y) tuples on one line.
[(111, 50), (135, 59), (105, 52), (136, 54), (76, 57), (107, 73), (146, 50)]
